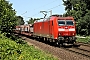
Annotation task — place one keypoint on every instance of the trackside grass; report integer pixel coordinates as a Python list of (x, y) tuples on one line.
[(84, 40), (11, 50)]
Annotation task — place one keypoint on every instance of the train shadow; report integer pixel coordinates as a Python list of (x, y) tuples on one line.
[(50, 43), (47, 42)]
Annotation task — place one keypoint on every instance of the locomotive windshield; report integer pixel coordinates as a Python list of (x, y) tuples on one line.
[(69, 22), (60, 22), (65, 22)]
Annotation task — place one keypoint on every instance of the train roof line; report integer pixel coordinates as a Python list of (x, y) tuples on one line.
[(53, 16)]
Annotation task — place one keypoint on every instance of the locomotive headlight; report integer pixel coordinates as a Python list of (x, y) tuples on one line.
[(73, 34), (61, 29), (71, 29), (59, 34)]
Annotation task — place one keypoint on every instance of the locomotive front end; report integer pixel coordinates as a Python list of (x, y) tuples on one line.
[(66, 31)]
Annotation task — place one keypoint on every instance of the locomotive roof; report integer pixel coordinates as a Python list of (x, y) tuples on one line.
[(55, 16), (41, 20), (63, 18), (66, 18)]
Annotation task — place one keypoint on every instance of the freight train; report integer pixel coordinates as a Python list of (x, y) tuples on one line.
[(57, 29)]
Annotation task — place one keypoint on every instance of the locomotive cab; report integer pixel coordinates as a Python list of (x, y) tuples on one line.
[(58, 29), (66, 30)]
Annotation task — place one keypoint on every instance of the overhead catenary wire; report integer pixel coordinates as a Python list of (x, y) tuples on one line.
[(41, 7), (54, 7), (46, 10), (45, 4)]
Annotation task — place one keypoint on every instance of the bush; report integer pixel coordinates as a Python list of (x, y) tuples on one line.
[(11, 50), (84, 40)]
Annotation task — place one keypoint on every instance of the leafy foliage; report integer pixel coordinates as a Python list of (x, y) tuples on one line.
[(84, 40), (11, 50), (20, 20), (80, 10), (7, 17), (31, 20)]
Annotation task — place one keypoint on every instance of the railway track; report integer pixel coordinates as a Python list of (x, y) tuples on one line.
[(84, 44), (79, 50), (83, 50)]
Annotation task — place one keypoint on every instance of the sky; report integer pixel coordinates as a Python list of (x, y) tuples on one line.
[(32, 8)]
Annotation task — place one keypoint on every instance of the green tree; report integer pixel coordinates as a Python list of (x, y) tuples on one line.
[(20, 20), (80, 10), (7, 17), (31, 20)]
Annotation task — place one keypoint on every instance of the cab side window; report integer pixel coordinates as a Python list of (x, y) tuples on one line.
[(52, 23)]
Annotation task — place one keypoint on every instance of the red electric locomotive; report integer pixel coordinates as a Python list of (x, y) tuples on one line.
[(61, 30)]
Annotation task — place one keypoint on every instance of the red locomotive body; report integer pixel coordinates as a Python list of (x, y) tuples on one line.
[(60, 29)]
